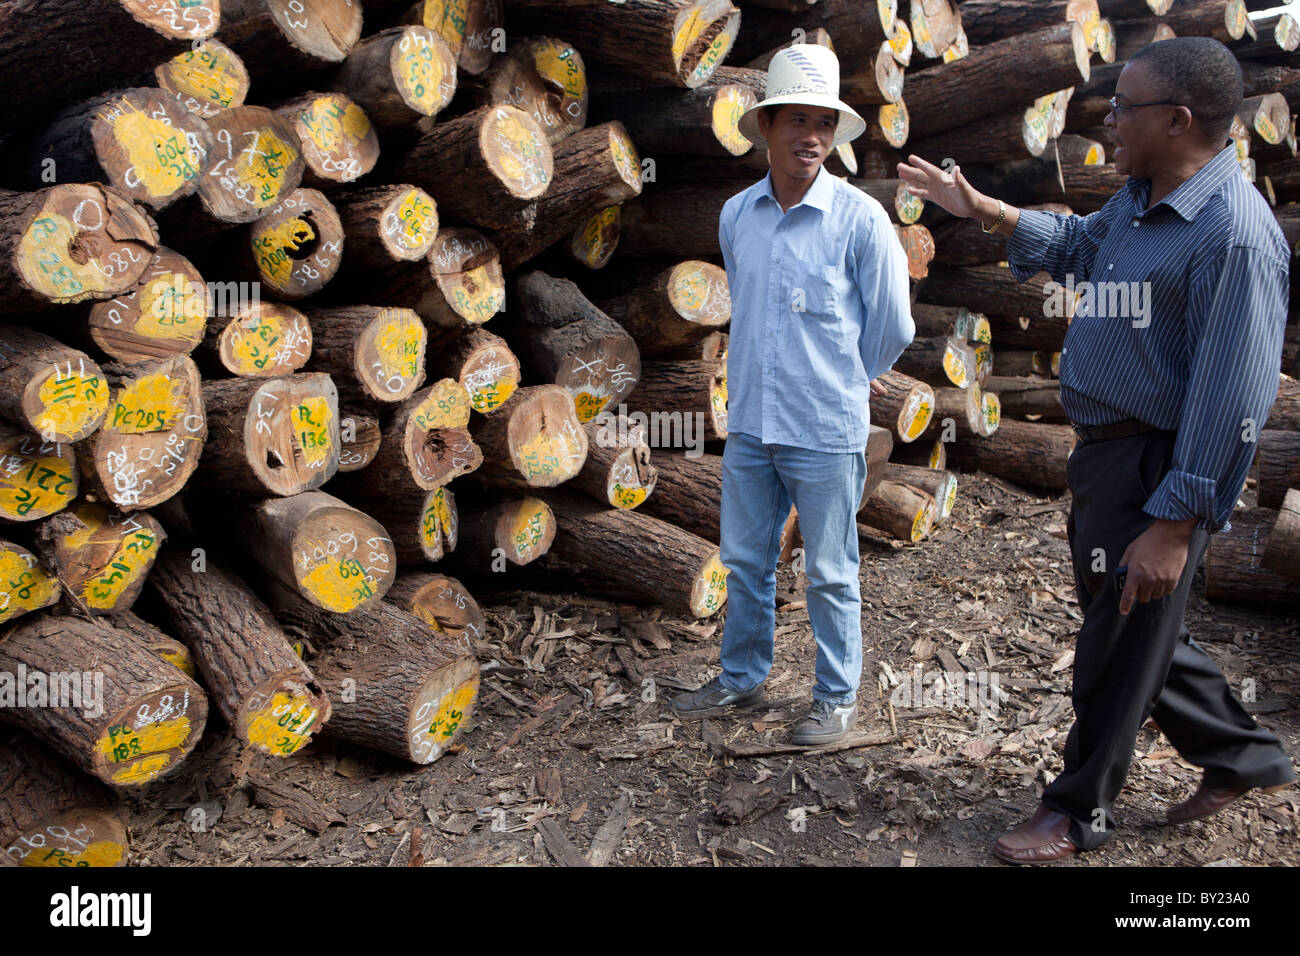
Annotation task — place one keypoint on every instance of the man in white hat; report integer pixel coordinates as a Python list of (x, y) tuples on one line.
[(819, 292)]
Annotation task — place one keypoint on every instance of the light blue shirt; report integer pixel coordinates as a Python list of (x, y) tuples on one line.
[(1210, 265), (819, 308)]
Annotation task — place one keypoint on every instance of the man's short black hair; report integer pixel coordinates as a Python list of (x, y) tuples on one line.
[(771, 112), (1199, 73)]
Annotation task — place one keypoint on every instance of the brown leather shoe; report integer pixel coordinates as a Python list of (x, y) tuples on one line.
[(1207, 801), (1042, 839)]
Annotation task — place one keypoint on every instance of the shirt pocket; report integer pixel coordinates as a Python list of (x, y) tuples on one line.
[(817, 294)]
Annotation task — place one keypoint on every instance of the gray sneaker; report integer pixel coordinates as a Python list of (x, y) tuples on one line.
[(826, 723), (712, 699)]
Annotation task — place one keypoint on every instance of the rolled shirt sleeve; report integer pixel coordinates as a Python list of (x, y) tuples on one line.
[(1236, 317)]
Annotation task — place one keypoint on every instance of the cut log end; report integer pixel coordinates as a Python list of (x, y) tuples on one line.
[(102, 558), (546, 78), (25, 584), (83, 242), (594, 241), (241, 184), (339, 143), (150, 736), (195, 20), (409, 224), (283, 713), (291, 433), (439, 524), (547, 444), (265, 340), (205, 80), (703, 35), (709, 589), (342, 559), (423, 69), (698, 292), (442, 710), (436, 442), (79, 837), (165, 315), (517, 151), (298, 244), (37, 478), (467, 271), (730, 103), (321, 29)]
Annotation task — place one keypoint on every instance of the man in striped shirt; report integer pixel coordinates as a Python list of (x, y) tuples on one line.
[(1169, 369)]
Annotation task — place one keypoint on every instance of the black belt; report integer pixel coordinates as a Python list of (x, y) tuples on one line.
[(1124, 429)]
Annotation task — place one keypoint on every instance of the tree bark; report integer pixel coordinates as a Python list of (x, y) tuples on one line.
[(679, 307), (1283, 551), (70, 243), (690, 391), (688, 493), (987, 21), (373, 355), (631, 554), (150, 443), (325, 551), (400, 686), (1233, 569), (399, 75), (269, 697), (666, 42), (487, 167), (858, 27), (124, 715), (79, 47), (562, 338), (1277, 465), (1026, 453), (276, 436), (699, 122), (905, 408), (1022, 397), (939, 485), (53, 815), (1045, 61)]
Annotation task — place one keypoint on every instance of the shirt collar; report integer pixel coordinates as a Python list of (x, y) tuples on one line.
[(1189, 197), (820, 195)]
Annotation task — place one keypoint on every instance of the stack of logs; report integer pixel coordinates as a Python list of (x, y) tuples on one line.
[(278, 275)]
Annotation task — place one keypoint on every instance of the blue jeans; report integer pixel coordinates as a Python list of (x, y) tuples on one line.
[(758, 484)]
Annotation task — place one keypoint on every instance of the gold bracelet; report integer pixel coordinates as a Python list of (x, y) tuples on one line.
[(1002, 217)]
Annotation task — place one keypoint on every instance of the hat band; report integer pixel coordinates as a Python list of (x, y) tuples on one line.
[(820, 91)]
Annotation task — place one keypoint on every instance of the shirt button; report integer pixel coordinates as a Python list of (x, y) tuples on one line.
[(1111, 266), (1135, 223)]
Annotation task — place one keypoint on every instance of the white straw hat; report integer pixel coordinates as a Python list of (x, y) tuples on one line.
[(808, 74)]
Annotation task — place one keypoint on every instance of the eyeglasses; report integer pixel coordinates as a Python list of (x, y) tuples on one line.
[(1117, 107)]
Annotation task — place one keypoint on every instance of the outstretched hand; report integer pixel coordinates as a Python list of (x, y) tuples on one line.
[(947, 187)]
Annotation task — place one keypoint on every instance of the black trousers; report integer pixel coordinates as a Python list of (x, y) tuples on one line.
[(1127, 668)]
